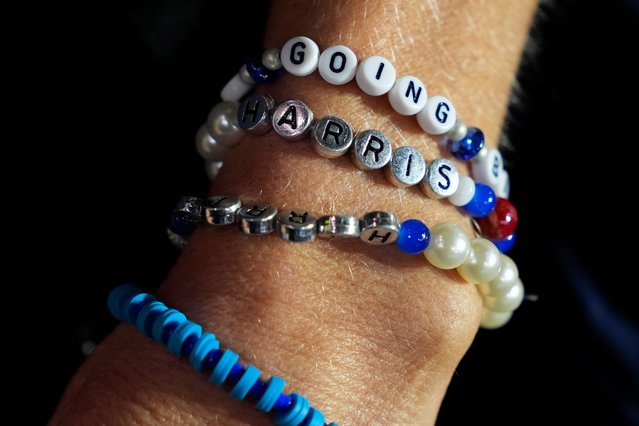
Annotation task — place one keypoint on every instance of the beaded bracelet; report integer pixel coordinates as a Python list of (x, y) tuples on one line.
[(446, 245), (185, 338)]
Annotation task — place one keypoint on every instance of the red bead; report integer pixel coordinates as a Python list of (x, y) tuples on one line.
[(502, 222)]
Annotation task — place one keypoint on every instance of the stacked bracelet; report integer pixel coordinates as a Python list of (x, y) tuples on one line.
[(445, 245)]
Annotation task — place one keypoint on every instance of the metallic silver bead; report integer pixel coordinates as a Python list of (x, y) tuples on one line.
[(441, 180), (407, 167), (222, 123), (379, 228), (212, 169), (296, 225), (208, 147), (245, 76), (220, 209), (176, 239), (292, 119), (189, 209), (256, 219), (271, 59), (254, 114), (331, 136), (337, 226), (458, 131), (371, 150)]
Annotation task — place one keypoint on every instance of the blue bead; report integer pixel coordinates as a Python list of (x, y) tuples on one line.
[(180, 226), (206, 343), (414, 236), (236, 373), (168, 319), (117, 298), (133, 305), (295, 414), (468, 146), (283, 402), (147, 316), (223, 367), (507, 243), (483, 202), (244, 385), (259, 72), (274, 388), (181, 334), (314, 418)]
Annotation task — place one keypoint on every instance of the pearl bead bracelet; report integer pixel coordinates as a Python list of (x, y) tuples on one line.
[(446, 245)]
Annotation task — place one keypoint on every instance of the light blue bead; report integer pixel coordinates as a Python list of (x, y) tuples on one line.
[(468, 146), (170, 316), (117, 297), (414, 236), (314, 418), (224, 366), (483, 202), (507, 243), (295, 414), (133, 304), (148, 315), (244, 385), (206, 343), (274, 388), (181, 334)]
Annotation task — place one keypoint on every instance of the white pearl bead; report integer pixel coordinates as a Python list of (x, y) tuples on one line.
[(408, 95), (482, 264), (505, 279), (458, 131), (375, 75), (222, 124), (488, 169), (213, 168), (449, 246), (507, 302), (337, 65), (300, 56), (503, 187), (208, 147), (438, 116), (464, 193), (236, 87), (491, 319), (271, 59)]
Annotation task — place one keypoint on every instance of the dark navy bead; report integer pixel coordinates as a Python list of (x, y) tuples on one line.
[(283, 402), (180, 226), (507, 243), (414, 236), (259, 72), (483, 202), (468, 146)]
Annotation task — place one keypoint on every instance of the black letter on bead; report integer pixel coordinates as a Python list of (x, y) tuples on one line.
[(383, 238), (379, 71), (253, 112), (217, 203), (442, 116), (376, 151), (334, 129), (496, 167), (292, 111), (441, 170), (299, 58), (256, 210), (332, 66), (408, 164), (297, 218), (411, 88)]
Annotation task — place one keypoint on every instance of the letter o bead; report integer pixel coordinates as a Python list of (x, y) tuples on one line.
[(300, 56), (438, 116), (337, 64)]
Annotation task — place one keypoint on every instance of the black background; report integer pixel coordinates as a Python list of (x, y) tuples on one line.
[(102, 101)]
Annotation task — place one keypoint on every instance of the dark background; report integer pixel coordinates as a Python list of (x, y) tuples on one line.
[(102, 101)]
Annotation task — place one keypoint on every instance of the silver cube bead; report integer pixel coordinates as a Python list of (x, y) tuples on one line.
[(256, 219), (379, 228), (220, 209), (292, 119), (337, 226), (441, 180), (371, 150), (296, 225), (407, 167), (254, 114), (331, 136)]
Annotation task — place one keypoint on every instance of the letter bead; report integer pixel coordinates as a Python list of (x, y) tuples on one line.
[(488, 168), (438, 116), (332, 136), (375, 75), (300, 56), (379, 228), (441, 179), (337, 226), (292, 119), (408, 95), (406, 168), (255, 219), (371, 150), (296, 225), (254, 114), (337, 64), (220, 209)]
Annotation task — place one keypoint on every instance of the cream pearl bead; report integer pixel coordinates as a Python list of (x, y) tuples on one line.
[(509, 301), (505, 280), (222, 124), (449, 246), (482, 264), (492, 319)]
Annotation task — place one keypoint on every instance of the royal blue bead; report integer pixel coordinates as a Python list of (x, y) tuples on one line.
[(180, 226), (295, 414), (274, 388), (166, 321), (236, 373), (224, 366), (483, 202), (133, 305), (147, 316), (205, 344), (244, 385), (259, 72), (507, 243), (414, 236), (117, 298), (181, 334), (468, 146), (314, 418)]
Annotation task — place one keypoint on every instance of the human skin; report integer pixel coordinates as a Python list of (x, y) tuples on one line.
[(369, 334)]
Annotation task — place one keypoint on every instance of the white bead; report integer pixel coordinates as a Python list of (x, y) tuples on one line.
[(464, 193), (504, 281), (458, 131), (408, 95), (482, 264), (236, 88), (375, 75), (438, 116), (492, 319), (337, 64), (271, 59), (509, 301), (222, 124), (300, 56), (503, 187), (209, 148), (449, 246), (488, 168), (213, 168)]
